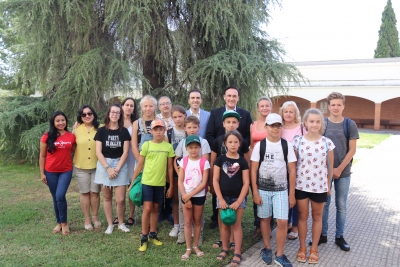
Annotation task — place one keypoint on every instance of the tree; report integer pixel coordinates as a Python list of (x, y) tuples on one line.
[(388, 42), (77, 52)]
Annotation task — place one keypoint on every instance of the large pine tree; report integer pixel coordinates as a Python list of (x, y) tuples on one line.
[(388, 42), (77, 52)]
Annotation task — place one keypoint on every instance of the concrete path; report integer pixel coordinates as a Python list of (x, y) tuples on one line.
[(373, 216)]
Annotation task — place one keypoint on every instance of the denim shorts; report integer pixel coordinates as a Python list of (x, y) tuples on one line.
[(230, 200), (276, 201), (103, 178), (153, 194)]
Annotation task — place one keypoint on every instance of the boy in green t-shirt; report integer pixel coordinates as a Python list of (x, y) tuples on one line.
[(156, 153)]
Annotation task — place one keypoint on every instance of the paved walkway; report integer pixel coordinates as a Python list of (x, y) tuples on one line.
[(373, 216)]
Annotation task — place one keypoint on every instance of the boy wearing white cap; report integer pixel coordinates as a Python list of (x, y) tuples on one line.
[(271, 161)]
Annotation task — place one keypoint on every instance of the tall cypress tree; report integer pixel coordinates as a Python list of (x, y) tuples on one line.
[(388, 43)]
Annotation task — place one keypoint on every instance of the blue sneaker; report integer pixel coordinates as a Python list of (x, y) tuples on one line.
[(266, 255), (283, 261)]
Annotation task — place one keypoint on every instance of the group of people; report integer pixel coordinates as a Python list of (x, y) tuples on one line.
[(289, 162)]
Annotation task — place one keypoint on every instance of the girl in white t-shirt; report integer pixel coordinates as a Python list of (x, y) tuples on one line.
[(192, 180), (312, 179)]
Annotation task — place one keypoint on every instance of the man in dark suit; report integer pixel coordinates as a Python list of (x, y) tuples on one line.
[(214, 126)]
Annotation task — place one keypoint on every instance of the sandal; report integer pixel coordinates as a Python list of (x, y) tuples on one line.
[(96, 223), (232, 246), (89, 226), (313, 257), (115, 222), (65, 230), (301, 255), (217, 244), (130, 222), (57, 229), (185, 256), (198, 254), (221, 257), (293, 235), (236, 262)]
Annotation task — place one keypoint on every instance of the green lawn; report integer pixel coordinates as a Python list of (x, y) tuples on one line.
[(26, 221), (369, 140)]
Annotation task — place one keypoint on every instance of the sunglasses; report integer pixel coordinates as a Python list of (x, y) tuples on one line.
[(89, 114)]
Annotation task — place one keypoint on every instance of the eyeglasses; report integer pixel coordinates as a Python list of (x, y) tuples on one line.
[(165, 104), (115, 112), (276, 126), (89, 114)]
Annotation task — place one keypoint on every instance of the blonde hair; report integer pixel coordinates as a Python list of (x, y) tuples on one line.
[(315, 112), (144, 99), (192, 119), (297, 117), (335, 95), (261, 99)]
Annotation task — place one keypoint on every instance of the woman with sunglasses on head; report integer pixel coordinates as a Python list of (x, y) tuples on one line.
[(55, 163), (85, 160), (112, 148)]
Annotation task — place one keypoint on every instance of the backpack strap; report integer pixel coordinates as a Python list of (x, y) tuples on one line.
[(285, 149), (263, 144), (298, 145), (185, 162), (202, 163)]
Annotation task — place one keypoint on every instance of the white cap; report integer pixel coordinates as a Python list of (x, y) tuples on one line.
[(273, 118)]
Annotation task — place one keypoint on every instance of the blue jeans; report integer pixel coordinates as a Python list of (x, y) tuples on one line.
[(294, 216), (342, 186), (58, 183)]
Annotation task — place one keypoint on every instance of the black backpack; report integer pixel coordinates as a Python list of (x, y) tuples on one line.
[(263, 144)]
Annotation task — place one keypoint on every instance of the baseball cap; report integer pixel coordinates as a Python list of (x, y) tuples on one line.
[(230, 113), (192, 139), (157, 122), (228, 216), (273, 118)]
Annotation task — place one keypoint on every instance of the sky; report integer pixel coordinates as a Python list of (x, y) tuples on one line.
[(316, 30)]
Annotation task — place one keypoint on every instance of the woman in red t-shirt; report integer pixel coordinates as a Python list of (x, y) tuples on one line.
[(55, 162)]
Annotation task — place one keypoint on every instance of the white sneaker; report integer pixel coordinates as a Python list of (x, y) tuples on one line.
[(109, 230), (123, 228), (174, 232)]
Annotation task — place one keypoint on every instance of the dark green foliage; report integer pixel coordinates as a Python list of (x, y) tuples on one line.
[(388, 43), (84, 52)]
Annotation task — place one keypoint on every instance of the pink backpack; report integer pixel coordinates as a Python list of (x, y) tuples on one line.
[(202, 163)]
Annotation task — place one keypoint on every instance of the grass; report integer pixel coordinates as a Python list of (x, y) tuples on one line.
[(26, 221), (370, 140)]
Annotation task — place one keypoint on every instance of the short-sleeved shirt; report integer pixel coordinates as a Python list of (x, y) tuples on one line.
[(335, 132), (231, 178), (219, 147), (112, 141), (181, 151), (312, 170), (194, 176), (60, 160), (85, 152), (273, 170), (178, 136), (155, 163)]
